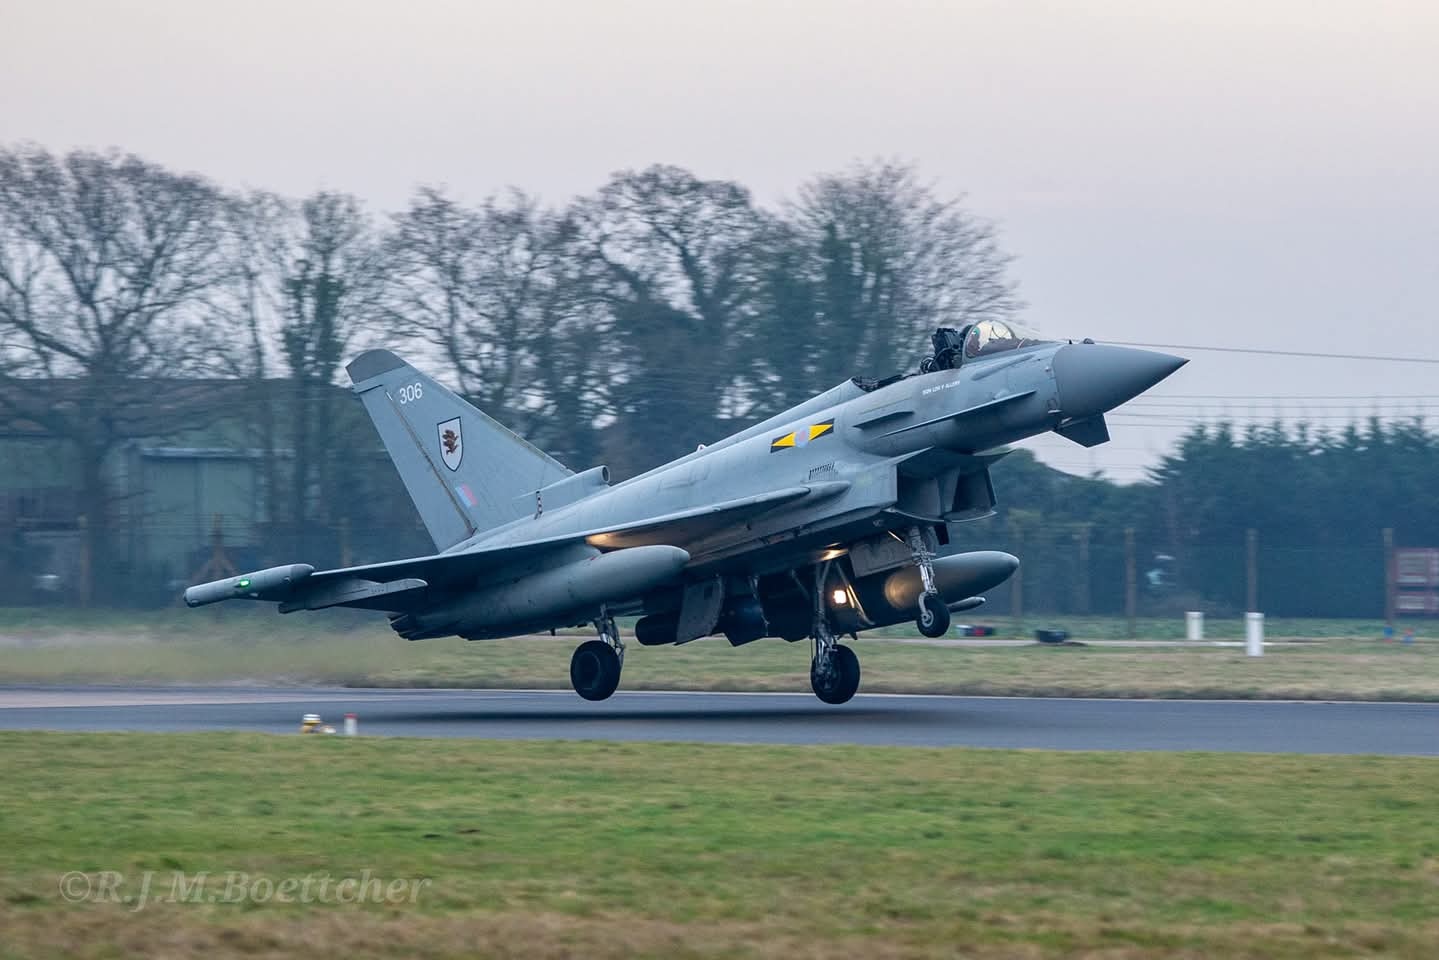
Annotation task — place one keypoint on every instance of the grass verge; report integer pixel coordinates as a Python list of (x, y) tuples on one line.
[(563, 849), (353, 650), (199, 648), (1331, 671)]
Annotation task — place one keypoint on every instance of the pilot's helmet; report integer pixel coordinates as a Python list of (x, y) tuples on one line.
[(989, 336)]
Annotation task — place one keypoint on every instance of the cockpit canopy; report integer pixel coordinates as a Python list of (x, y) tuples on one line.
[(988, 337), (953, 347), (983, 339)]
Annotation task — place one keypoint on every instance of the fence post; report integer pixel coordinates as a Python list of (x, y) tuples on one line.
[(1251, 569), (1387, 535), (1016, 589), (1082, 579), (1131, 599), (82, 522), (1254, 634)]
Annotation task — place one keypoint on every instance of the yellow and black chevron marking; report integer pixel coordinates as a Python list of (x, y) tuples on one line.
[(803, 436)]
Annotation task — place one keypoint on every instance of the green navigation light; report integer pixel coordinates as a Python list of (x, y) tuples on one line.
[(244, 583)]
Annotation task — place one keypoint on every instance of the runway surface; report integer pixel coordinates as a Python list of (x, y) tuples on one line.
[(1064, 724)]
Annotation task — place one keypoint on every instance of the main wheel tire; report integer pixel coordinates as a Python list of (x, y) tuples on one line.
[(595, 670), (934, 619), (838, 683)]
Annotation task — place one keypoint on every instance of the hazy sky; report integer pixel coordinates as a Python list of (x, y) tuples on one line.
[(1171, 171)]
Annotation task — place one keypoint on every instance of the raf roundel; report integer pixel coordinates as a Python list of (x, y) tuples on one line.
[(802, 436)]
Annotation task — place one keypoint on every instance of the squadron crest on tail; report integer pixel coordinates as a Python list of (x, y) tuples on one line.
[(452, 446)]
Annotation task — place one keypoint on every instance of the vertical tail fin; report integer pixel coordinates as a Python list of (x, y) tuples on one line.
[(463, 470)]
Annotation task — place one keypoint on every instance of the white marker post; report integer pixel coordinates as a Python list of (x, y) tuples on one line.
[(1254, 634), (352, 725), (1194, 625)]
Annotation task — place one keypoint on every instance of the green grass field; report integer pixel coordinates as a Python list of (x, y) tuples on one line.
[(560, 849), (1347, 661), (240, 620)]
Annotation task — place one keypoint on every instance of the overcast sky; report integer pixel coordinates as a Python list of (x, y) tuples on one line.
[(1260, 174)]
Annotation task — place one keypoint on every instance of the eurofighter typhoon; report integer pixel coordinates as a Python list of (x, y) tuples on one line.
[(823, 521)]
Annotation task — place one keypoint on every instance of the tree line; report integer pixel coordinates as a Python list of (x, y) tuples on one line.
[(661, 295), (1317, 499)]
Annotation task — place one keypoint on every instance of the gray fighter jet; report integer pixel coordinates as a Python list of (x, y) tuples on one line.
[(824, 520)]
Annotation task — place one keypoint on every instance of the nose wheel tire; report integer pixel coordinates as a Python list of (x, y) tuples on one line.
[(595, 670), (835, 677), (933, 619)]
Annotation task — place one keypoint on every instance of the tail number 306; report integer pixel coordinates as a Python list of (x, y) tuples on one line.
[(411, 392)]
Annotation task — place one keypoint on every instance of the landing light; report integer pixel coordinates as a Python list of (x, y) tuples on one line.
[(840, 598)]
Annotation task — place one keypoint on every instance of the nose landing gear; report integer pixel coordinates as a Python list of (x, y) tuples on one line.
[(595, 666), (934, 618)]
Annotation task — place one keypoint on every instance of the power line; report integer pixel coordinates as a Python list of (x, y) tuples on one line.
[(1156, 396), (1277, 353), (1256, 408), (1247, 419)]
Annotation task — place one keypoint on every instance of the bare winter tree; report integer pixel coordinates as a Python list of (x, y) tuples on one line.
[(329, 274), (483, 286), (575, 354), (260, 235), (865, 264), (260, 228), (302, 297), (671, 259), (107, 266)]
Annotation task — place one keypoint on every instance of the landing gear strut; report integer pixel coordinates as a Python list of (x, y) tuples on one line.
[(834, 671), (595, 666), (933, 619)]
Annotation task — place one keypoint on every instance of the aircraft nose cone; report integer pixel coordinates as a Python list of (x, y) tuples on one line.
[(1094, 377)]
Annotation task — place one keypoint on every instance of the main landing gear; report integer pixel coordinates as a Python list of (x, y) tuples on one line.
[(595, 666), (834, 671), (934, 618)]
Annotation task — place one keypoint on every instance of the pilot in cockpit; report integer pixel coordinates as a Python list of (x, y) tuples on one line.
[(985, 338)]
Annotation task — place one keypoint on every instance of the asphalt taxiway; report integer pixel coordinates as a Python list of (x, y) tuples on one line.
[(1051, 723)]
